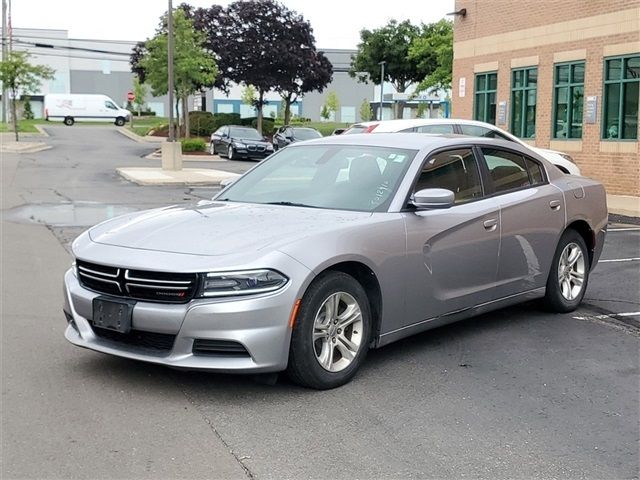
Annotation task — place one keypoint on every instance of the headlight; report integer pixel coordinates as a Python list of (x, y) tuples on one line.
[(74, 268), (248, 282), (269, 146), (239, 145)]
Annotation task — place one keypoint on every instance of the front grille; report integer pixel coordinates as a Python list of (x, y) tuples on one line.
[(218, 348), (138, 284), (256, 148), (160, 342)]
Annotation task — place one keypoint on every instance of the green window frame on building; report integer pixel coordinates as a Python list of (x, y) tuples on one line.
[(484, 105), (568, 100), (621, 97), (524, 92)]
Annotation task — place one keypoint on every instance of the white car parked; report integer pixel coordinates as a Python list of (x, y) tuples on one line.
[(461, 127)]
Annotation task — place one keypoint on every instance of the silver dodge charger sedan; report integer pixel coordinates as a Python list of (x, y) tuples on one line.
[(331, 247)]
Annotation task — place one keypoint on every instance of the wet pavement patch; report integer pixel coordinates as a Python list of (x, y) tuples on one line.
[(77, 214)]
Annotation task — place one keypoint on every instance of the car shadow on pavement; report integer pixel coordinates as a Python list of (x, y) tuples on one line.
[(438, 349)]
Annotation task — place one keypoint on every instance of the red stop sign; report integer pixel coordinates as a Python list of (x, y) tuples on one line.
[(130, 96)]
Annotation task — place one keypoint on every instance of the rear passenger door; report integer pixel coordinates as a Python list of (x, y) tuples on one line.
[(531, 216)]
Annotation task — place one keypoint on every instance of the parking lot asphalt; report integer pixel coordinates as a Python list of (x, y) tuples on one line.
[(517, 393)]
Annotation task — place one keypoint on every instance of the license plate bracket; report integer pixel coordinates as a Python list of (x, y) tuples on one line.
[(113, 314)]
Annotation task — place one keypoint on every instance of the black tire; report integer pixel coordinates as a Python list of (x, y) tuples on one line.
[(555, 300), (212, 148), (275, 146), (120, 121), (230, 155), (68, 121), (304, 368)]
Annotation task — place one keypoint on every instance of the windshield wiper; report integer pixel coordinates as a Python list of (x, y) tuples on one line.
[(291, 204)]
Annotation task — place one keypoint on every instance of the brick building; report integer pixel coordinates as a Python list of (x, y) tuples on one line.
[(561, 74)]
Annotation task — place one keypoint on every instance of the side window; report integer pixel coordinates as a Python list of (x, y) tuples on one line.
[(442, 128), (110, 105), (218, 132), (477, 131), (455, 170), (507, 170), (535, 171)]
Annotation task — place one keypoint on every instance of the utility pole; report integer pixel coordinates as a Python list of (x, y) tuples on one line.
[(170, 69), (381, 85), (5, 50)]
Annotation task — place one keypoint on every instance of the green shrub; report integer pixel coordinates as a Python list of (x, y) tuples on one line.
[(193, 145), (202, 124)]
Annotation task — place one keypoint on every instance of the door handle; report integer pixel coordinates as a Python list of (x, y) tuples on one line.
[(490, 224), (555, 204)]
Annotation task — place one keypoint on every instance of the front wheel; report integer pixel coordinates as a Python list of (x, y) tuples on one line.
[(68, 121), (120, 121), (569, 274), (230, 153), (330, 338), (212, 148)]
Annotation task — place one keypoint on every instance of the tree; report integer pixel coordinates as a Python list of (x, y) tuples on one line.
[(331, 103), (365, 110), (20, 77), (27, 112), (249, 95), (140, 93), (324, 112), (390, 44), (432, 51), (262, 43), (194, 67)]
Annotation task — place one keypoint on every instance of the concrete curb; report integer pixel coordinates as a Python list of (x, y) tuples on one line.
[(190, 158), (137, 138), (25, 147), (624, 205), (186, 176), (41, 129)]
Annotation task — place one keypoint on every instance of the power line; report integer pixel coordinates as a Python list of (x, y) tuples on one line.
[(69, 55), (63, 47)]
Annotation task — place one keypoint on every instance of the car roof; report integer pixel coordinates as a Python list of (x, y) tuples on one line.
[(410, 141), (399, 124)]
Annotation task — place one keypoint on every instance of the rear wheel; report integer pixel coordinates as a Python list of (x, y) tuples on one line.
[(68, 121), (330, 339), (569, 274), (120, 121)]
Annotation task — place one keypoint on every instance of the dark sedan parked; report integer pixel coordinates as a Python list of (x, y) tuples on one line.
[(287, 135), (236, 142)]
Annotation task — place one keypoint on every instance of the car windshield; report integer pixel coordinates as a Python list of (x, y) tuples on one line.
[(342, 177), (306, 133), (247, 133)]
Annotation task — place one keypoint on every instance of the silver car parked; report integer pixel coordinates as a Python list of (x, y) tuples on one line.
[(331, 247)]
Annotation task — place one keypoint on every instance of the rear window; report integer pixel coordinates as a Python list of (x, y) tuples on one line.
[(511, 171), (355, 129)]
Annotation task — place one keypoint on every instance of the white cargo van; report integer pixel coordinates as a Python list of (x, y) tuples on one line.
[(73, 107)]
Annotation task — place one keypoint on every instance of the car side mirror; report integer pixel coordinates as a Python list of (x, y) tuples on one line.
[(289, 137), (428, 198)]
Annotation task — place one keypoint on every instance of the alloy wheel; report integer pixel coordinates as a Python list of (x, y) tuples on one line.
[(571, 271), (337, 332)]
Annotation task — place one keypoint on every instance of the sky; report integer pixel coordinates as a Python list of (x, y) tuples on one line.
[(336, 23)]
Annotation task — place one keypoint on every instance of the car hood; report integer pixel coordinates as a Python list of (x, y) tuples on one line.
[(220, 228), (543, 151)]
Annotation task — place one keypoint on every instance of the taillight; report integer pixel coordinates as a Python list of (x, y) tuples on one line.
[(370, 128)]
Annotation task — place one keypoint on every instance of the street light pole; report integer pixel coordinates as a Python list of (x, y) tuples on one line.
[(170, 69), (5, 103), (381, 85)]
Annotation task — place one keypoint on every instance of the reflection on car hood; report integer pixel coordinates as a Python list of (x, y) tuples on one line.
[(250, 141), (220, 228)]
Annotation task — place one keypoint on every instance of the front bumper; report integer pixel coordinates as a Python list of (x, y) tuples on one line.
[(252, 154), (259, 323)]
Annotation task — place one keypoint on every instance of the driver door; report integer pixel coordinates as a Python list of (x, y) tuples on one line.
[(452, 253)]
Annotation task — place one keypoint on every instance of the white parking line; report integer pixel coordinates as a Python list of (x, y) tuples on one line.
[(613, 315), (626, 229), (633, 259)]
